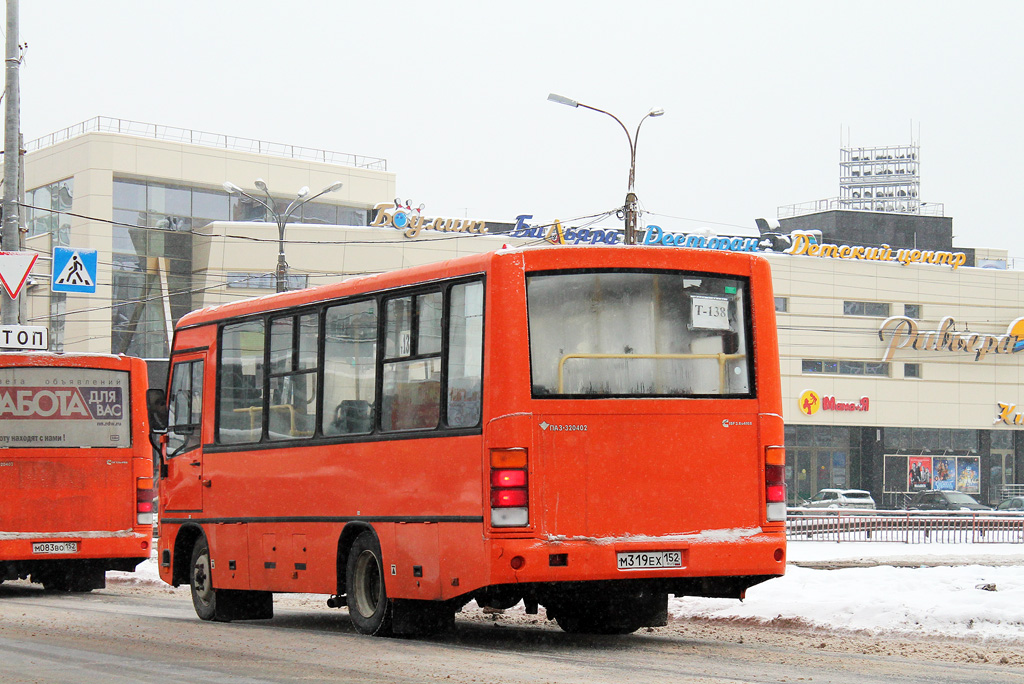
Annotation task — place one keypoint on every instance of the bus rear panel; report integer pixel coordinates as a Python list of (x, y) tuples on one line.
[(75, 468)]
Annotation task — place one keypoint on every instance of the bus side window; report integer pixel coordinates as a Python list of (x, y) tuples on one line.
[(240, 380), (350, 368), (294, 341), (465, 354), (412, 363), (184, 413)]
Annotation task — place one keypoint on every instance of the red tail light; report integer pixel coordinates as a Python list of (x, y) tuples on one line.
[(509, 488), (144, 494), (775, 483), (504, 498), (775, 492), (508, 478)]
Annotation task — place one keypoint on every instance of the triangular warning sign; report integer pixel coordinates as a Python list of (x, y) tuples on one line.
[(74, 273), (14, 269)]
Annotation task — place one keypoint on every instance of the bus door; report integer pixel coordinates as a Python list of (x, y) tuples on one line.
[(183, 455)]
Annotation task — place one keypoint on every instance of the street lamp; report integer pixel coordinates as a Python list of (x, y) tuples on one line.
[(281, 218), (631, 202)]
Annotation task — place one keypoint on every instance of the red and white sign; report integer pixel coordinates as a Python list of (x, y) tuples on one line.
[(810, 402), (14, 270)]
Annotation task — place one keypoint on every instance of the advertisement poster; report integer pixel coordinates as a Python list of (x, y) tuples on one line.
[(944, 473), (967, 470), (64, 407), (920, 473)]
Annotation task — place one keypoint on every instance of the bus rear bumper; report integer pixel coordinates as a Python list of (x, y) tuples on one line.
[(121, 544), (692, 565)]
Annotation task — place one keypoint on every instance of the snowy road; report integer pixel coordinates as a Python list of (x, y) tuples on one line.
[(815, 625)]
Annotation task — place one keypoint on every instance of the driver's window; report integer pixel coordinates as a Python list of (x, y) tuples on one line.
[(185, 407)]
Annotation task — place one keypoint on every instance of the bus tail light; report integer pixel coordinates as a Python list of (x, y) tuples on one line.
[(509, 488), (775, 483), (144, 501)]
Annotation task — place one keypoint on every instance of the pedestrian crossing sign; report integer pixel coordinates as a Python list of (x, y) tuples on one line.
[(74, 270)]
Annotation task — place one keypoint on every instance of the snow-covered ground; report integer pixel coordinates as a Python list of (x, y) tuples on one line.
[(979, 594), (958, 590)]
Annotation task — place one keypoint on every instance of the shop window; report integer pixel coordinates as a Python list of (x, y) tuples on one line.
[(911, 370), (834, 367), (880, 309), (782, 304)]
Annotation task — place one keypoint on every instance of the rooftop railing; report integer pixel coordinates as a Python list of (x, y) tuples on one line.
[(885, 205), (105, 124)]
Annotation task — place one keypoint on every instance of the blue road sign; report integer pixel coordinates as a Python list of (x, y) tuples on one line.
[(74, 270)]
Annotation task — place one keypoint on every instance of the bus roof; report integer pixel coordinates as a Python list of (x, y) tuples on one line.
[(65, 359), (549, 257)]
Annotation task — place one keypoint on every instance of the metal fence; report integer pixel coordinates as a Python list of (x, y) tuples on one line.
[(908, 527)]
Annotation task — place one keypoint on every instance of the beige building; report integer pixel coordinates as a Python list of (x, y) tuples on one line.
[(895, 377), (144, 196), (898, 378), (151, 200)]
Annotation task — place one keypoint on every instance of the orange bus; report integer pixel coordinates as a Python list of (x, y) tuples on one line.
[(588, 429), (76, 468)]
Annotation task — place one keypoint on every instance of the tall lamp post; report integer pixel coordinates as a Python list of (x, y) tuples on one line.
[(281, 218), (629, 208)]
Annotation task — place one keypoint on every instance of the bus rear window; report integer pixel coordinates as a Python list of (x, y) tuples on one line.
[(64, 407), (639, 334)]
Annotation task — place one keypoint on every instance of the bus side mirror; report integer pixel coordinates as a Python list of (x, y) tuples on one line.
[(156, 404)]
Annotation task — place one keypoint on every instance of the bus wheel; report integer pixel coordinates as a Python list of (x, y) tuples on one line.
[(204, 596), (368, 602)]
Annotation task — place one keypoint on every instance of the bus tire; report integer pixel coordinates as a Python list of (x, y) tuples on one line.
[(204, 596), (367, 597), (223, 605)]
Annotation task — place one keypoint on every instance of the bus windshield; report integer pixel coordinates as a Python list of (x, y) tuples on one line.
[(639, 334)]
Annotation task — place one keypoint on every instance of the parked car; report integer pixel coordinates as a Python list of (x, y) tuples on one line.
[(841, 498), (935, 500), (1014, 503)]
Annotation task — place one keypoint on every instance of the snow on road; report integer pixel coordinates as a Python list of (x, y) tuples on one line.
[(957, 590)]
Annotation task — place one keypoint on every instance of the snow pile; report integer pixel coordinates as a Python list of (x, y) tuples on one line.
[(944, 601)]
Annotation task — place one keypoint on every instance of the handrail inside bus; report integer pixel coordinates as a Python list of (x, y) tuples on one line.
[(256, 411), (722, 359)]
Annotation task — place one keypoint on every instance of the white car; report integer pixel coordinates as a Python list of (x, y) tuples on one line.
[(841, 498)]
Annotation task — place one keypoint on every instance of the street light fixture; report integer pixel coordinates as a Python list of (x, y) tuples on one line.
[(281, 218), (630, 207)]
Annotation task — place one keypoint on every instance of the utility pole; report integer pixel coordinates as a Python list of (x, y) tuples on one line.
[(629, 208), (9, 310)]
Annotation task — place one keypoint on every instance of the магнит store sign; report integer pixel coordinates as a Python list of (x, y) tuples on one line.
[(410, 220), (810, 403), (903, 332)]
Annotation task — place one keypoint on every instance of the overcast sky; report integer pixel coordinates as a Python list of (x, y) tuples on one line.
[(758, 96)]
